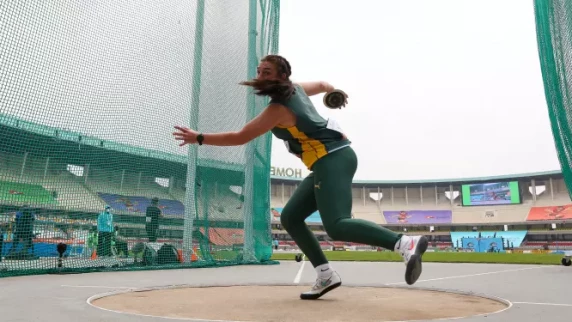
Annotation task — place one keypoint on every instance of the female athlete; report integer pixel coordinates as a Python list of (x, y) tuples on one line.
[(326, 152)]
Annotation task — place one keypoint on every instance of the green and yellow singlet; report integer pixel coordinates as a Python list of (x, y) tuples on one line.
[(313, 137)]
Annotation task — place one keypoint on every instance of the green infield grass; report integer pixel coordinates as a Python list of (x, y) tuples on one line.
[(437, 257)]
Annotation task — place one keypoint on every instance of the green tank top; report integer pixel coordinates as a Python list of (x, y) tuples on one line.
[(313, 137)]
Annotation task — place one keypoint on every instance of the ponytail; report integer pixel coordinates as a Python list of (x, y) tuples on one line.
[(277, 90)]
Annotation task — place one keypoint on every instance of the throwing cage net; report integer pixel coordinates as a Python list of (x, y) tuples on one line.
[(554, 35), (91, 177)]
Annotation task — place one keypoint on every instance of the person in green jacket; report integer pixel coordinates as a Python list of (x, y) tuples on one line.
[(91, 242)]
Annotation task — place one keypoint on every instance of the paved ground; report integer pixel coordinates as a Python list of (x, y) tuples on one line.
[(536, 292)]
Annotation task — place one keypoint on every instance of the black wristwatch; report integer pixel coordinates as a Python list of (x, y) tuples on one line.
[(200, 138)]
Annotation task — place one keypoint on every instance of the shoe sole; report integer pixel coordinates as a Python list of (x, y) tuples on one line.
[(318, 295), (414, 266)]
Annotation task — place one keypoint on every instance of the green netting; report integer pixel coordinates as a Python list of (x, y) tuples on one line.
[(91, 178), (554, 36)]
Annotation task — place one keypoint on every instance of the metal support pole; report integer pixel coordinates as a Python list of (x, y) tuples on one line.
[(192, 166), (122, 180), (23, 165), (392, 195), (551, 189), (533, 183)]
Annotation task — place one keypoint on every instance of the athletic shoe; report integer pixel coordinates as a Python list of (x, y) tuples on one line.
[(412, 248), (322, 286)]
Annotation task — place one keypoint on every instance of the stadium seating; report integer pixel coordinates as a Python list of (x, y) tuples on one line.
[(14, 192), (367, 210), (69, 191), (27, 180), (37, 184), (224, 236), (109, 181), (552, 245)]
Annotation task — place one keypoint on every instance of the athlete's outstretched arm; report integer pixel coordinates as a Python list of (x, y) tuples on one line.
[(273, 115), (313, 88)]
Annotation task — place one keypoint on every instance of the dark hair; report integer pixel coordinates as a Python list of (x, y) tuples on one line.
[(278, 90)]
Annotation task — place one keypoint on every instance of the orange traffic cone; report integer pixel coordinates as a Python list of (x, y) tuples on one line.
[(94, 254), (194, 255)]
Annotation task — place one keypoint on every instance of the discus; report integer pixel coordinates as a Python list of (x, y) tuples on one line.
[(335, 99)]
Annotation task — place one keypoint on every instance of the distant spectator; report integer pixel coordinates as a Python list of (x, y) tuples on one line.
[(152, 215), (91, 242), (105, 232), (241, 199), (24, 231), (120, 244), (4, 228)]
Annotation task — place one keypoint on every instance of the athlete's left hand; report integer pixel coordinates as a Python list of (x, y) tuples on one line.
[(186, 135), (345, 100)]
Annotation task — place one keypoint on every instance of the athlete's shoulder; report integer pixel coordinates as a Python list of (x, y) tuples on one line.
[(276, 107), (314, 88)]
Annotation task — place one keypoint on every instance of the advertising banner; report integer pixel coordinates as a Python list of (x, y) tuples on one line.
[(550, 213), (419, 217)]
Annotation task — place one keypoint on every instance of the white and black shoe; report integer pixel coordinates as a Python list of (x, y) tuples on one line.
[(322, 286), (412, 248)]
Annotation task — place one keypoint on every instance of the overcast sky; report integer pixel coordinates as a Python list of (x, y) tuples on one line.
[(438, 89)]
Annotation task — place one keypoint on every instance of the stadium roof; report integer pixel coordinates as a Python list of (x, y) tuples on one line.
[(20, 136)]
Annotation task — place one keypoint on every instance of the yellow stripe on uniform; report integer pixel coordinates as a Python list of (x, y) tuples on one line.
[(312, 149)]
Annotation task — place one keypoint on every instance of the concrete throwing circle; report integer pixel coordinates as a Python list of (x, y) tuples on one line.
[(282, 303)]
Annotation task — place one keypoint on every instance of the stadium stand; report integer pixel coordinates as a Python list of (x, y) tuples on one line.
[(66, 190), (15, 192), (49, 185), (421, 204), (109, 181), (225, 236)]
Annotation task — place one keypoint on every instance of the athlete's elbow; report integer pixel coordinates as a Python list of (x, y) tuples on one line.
[(237, 138), (250, 133), (241, 138)]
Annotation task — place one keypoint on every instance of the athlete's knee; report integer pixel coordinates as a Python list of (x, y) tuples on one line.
[(287, 219), (335, 230)]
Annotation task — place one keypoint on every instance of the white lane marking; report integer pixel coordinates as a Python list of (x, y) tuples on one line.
[(473, 275), (299, 274), (97, 286), (535, 303)]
